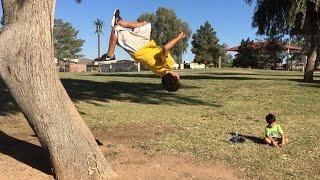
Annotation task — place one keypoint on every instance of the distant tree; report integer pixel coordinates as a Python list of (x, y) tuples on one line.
[(205, 45), (246, 55), (297, 17), (66, 43), (275, 48), (304, 43), (301, 41), (226, 59), (258, 54), (263, 58), (165, 26), (99, 30), (149, 17)]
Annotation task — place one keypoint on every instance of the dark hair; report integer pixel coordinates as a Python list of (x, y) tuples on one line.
[(170, 82), (270, 118)]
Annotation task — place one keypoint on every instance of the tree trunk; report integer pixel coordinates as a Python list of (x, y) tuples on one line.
[(310, 67), (317, 60), (275, 60), (27, 68), (98, 45)]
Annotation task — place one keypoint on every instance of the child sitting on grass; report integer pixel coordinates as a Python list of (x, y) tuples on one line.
[(274, 133)]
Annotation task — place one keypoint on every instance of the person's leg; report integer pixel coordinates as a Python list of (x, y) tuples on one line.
[(131, 25), (167, 47), (284, 140), (117, 20), (111, 49), (113, 38), (268, 141), (112, 43)]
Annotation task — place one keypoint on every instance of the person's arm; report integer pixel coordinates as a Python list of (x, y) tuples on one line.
[(273, 142), (283, 140), (167, 47), (281, 132)]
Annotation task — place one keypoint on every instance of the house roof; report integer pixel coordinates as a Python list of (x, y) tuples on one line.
[(85, 61), (291, 48)]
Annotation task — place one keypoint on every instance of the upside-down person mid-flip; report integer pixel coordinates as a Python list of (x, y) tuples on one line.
[(134, 37)]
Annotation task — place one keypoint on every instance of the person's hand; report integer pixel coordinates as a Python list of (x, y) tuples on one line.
[(181, 35), (275, 144), (281, 145)]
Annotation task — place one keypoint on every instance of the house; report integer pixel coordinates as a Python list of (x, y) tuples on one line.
[(120, 66), (194, 66), (288, 48), (73, 65), (76, 68)]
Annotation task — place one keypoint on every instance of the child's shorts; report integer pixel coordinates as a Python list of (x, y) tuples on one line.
[(277, 139)]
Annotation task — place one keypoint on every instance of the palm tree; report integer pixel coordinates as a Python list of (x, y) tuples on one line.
[(99, 30)]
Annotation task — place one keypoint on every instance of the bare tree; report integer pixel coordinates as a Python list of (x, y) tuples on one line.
[(28, 70)]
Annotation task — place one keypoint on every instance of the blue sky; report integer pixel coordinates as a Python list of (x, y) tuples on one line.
[(231, 19)]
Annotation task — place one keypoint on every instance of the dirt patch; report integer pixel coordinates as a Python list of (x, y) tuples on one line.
[(136, 164), (132, 132), (21, 156)]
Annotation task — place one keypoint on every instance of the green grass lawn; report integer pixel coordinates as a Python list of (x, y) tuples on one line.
[(199, 118)]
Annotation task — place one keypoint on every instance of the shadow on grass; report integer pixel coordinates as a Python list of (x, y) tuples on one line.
[(136, 75), (253, 139), (252, 74), (212, 76), (145, 93), (314, 84), (85, 90), (227, 74), (222, 76), (139, 92), (197, 76), (27, 153)]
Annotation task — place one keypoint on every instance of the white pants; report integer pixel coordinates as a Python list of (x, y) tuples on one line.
[(132, 41)]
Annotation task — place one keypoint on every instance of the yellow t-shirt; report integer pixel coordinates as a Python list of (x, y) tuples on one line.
[(152, 56)]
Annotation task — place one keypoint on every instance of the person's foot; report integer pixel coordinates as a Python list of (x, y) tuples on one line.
[(106, 57), (115, 18)]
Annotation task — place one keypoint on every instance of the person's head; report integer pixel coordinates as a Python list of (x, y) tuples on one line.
[(270, 118), (170, 81)]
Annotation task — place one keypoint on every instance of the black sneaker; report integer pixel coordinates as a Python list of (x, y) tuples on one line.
[(106, 57), (116, 17)]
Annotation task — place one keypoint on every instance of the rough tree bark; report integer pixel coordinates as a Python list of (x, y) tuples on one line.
[(311, 62), (28, 70)]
